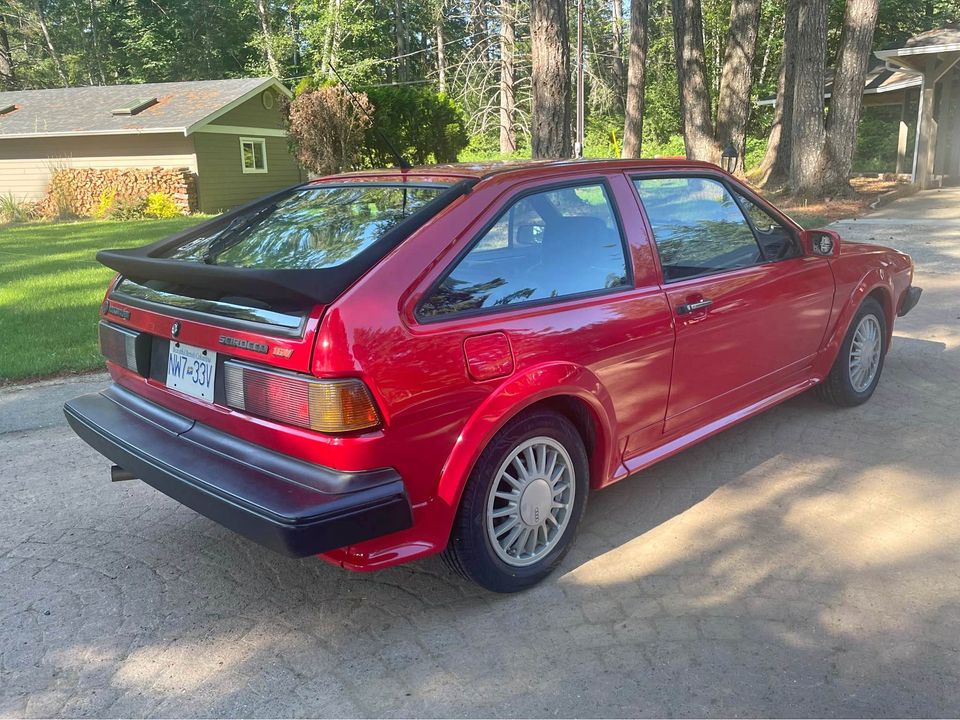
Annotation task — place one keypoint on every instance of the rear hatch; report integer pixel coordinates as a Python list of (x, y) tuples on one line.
[(251, 286)]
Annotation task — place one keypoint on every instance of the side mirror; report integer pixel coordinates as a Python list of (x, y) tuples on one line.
[(821, 243)]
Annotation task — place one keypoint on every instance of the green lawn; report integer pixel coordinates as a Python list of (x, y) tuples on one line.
[(51, 287)]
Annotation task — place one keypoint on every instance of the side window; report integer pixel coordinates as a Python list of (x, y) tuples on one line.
[(551, 244), (776, 241), (697, 226)]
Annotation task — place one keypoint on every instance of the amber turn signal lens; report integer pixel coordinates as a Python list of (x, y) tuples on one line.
[(341, 406), (329, 406)]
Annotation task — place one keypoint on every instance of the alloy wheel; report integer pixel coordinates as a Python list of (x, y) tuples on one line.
[(530, 502)]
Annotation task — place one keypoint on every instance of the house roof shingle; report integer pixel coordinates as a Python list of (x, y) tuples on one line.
[(87, 110)]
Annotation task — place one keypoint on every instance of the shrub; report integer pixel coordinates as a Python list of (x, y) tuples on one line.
[(877, 139), (487, 147), (61, 202), (326, 129), (424, 125), (105, 205), (128, 206), (13, 210), (603, 136), (160, 205)]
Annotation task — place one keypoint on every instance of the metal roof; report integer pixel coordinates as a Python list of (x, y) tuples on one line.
[(941, 41), (879, 80), (180, 107)]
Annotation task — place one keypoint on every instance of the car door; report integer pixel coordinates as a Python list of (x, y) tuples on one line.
[(750, 309), (584, 297)]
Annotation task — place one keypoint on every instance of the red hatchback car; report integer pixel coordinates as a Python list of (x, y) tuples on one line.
[(377, 367)]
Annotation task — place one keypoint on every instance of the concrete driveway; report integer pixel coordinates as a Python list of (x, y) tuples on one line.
[(805, 563)]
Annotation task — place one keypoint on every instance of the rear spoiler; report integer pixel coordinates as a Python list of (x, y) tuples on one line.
[(284, 287)]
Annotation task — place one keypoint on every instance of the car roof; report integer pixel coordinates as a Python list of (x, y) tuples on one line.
[(527, 169)]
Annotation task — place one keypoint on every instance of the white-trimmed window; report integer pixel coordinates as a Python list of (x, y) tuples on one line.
[(253, 155)]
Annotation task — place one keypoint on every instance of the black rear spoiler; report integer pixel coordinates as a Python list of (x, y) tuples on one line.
[(284, 287)]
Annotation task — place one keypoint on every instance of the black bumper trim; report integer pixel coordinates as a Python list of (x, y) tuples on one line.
[(288, 505), (910, 299)]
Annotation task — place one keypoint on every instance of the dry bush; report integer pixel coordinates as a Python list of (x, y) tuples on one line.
[(327, 129)]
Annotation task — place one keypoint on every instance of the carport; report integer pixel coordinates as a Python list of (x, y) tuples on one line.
[(929, 59)]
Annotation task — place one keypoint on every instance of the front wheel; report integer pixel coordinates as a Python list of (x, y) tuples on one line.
[(856, 371), (522, 504)]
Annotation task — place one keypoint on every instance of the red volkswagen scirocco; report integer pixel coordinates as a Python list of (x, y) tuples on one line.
[(379, 366)]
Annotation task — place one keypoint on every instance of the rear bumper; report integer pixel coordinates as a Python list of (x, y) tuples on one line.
[(909, 301), (288, 505)]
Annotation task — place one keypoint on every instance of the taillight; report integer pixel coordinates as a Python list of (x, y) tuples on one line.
[(330, 406), (118, 345)]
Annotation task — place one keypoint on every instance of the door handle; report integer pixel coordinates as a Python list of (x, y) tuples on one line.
[(688, 308)]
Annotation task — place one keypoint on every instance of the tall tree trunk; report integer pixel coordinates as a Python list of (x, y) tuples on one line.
[(809, 133), (478, 27), (775, 168), (616, 65), (692, 79), (765, 63), (636, 79), (733, 105), (95, 39), (54, 55), (88, 50), (8, 73), (263, 12), (846, 100), (403, 42), (441, 49), (508, 130), (330, 51), (293, 26), (550, 79), (325, 47)]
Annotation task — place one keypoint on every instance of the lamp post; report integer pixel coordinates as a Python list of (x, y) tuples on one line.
[(729, 159)]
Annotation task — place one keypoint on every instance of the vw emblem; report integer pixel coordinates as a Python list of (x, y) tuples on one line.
[(175, 329)]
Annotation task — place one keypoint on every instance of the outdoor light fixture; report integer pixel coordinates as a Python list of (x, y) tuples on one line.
[(728, 160)]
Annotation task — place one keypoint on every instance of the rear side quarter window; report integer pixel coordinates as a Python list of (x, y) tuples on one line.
[(552, 244)]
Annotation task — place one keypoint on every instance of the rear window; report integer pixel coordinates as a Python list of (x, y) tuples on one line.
[(313, 228)]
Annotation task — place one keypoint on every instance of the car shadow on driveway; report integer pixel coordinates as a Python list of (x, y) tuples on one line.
[(802, 563)]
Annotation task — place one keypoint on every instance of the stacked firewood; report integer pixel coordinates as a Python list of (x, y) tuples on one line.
[(81, 191)]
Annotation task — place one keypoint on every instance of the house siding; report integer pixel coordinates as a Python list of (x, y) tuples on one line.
[(252, 113), (222, 182), (27, 163)]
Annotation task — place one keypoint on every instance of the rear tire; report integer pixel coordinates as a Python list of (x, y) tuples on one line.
[(856, 371), (522, 504)]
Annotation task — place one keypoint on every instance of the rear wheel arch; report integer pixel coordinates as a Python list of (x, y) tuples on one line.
[(511, 497), (571, 395), (586, 421)]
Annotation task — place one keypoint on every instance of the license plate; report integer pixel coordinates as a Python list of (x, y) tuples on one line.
[(191, 370)]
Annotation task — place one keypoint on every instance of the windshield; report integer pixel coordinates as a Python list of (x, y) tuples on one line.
[(313, 228)]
